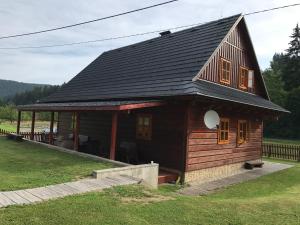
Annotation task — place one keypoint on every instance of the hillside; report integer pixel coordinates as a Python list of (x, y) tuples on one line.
[(10, 88)]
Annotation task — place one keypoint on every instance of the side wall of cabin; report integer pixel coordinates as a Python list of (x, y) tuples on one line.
[(206, 158)]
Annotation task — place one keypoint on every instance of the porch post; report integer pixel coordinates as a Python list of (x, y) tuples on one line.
[(51, 129), (113, 139), (32, 125), (19, 121), (76, 131)]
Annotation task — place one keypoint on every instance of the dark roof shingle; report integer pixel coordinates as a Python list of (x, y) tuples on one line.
[(162, 66)]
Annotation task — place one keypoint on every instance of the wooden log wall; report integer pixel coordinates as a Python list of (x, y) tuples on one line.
[(203, 150)]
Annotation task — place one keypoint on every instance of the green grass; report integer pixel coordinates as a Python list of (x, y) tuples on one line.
[(11, 127), (26, 165), (281, 141), (272, 199)]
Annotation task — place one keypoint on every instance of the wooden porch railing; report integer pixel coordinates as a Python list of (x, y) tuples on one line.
[(281, 151), (38, 136), (3, 132)]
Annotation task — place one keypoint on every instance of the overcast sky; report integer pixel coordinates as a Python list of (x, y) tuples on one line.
[(269, 31)]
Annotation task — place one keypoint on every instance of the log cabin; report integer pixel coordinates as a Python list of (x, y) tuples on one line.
[(147, 102)]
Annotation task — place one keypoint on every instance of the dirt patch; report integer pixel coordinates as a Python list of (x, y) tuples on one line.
[(151, 198), (137, 194)]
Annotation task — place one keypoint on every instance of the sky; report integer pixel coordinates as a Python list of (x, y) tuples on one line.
[(269, 31)]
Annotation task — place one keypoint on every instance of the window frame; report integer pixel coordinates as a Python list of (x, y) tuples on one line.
[(224, 130), (245, 138), (244, 85), (222, 70), (144, 132)]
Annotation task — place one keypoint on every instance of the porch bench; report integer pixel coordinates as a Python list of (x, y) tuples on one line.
[(14, 136), (253, 163)]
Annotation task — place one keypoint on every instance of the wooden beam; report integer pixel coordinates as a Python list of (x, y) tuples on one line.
[(76, 131), (113, 140), (32, 125), (92, 108), (51, 129), (141, 105), (19, 121)]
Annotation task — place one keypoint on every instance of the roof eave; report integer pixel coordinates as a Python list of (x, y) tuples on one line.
[(240, 102)]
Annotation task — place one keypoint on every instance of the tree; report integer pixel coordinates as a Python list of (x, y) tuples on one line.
[(275, 86), (293, 119), (289, 63), (8, 112), (294, 49)]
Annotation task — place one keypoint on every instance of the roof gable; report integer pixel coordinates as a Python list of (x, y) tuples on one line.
[(237, 47)]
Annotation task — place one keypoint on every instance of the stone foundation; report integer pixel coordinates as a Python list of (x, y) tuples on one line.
[(214, 173)]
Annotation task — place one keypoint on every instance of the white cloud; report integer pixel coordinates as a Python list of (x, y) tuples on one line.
[(270, 31)]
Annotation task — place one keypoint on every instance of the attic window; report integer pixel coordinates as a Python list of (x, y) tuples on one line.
[(243, 78), (225, 71)]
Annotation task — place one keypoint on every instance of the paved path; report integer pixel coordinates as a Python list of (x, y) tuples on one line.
[(34, 195), (209, 187)]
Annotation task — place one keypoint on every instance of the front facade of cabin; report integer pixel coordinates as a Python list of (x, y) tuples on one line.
[(168, 126)]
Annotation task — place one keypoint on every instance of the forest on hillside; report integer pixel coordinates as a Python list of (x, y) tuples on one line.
[(8, 105), (9, 88)]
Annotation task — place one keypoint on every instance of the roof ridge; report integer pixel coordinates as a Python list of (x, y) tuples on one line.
[(176, 32)]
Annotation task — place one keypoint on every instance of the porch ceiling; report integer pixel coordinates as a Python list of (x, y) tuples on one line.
[(91, 106)]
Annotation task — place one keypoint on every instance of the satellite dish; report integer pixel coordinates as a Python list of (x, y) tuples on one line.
[(211, 119)]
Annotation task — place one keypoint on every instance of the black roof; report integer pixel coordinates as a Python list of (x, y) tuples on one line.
[(159, 67)]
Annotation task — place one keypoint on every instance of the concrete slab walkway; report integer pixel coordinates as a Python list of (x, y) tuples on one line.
[(209, 187), (33, 195)]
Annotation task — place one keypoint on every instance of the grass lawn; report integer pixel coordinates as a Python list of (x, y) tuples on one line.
[(272, 199), (281, 141), (11, 127), (26, 165)]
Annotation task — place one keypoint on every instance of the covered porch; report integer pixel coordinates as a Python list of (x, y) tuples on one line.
[(134, 132)]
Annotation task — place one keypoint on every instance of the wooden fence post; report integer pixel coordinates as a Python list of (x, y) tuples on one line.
[(269, 150)]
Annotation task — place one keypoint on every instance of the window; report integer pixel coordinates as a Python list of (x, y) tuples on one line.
[(225, 69), (243, 132), (144, 127), (223, 132), (251, 79), (243, 78)]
